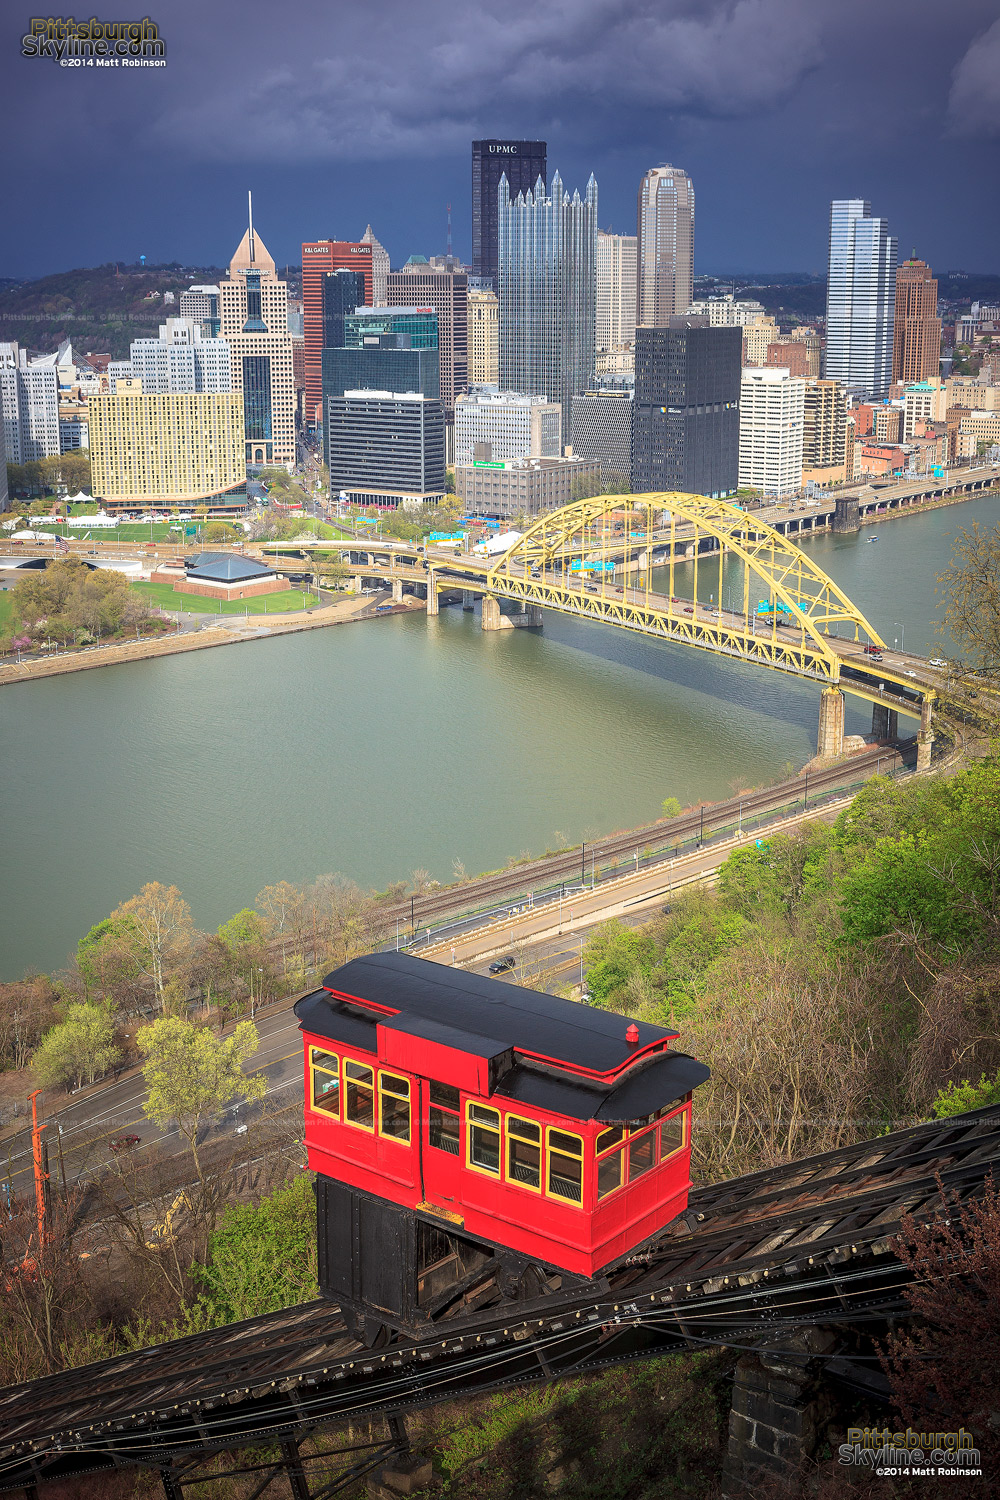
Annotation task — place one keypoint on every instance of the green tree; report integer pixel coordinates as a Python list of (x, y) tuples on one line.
[(80, 1047), (262, 1256), (191, 1075), (220, 531), (957, 1098), (164, 933), (670, 808), (109, 963)]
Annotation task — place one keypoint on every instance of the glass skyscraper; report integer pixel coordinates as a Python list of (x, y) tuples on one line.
[(548, 278), (860, 298), (522, 163)]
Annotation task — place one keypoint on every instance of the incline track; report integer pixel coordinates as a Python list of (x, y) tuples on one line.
[(808, 1242)]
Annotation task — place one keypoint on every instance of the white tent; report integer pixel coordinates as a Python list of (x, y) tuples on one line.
[(31, 536), (79, 499)]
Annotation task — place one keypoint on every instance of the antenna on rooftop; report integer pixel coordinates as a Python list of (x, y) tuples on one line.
[(449, 231), (253, 256)]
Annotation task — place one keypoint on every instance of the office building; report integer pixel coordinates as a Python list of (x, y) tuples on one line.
[(887, 424), (813, 345), (4, 492), (342, 292), (758, 336), (484, 338), (525, 487), (687, 399), (29, 395), (616, 290), (788, 354), (978, 432), (727, 311), (318, 257), (202, 304), (447, 292), (916, 339), (665, 230), (380, 268), (924, 402), (181, 359), (168, 450), (385, 349), (860, 299), (547, 251), (497, 425), (824, 432), (74, 429), (522, 163), (253, 308), (772, 405), (602, 432), (386, 448)]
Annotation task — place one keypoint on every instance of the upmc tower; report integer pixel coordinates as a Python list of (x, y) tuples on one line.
[(524, 163), (319, 256)]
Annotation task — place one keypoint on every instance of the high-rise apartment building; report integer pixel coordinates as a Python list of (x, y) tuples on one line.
[(168, 449), (380, 267), (916, 339), (602, 432), (860, 299), (687, 408), (548, 244), (253, 307), (181, 359), (484, 338), (824, 426), (29, 396), (726, 311), (493, 426), (318, 257), (616, 290), (447, 292), (772, 404), (386, 448), (665, 231), (522, 163)]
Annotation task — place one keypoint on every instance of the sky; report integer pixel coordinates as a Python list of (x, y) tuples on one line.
[(356, 111)]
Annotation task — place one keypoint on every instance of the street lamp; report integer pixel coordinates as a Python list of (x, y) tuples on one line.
[(901, 633)]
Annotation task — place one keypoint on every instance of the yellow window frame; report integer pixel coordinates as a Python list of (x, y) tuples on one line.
[(685, 1116), (550, 1131), (512, 1133), (314, 1068), (384, 1073), (470, 1125), (370, 1087)]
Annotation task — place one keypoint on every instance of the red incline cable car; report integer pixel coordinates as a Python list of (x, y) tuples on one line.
[(454, 1121)]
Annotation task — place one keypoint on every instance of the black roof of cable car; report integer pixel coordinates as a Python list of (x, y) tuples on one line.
[(504, 1014)]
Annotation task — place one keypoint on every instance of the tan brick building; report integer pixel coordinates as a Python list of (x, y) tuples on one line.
[(169, 450)]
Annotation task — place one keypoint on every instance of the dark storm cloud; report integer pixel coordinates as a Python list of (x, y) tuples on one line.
[(974, 102)]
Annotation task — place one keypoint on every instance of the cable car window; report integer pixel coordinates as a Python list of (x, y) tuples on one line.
[(524, 1152), (565, 1165), (672, 1134), (443, 1095), (394, 1099), (325, 1081), (641, 1154), (609, 1138), (484, 1139), (359, 1108), (609, 1174)]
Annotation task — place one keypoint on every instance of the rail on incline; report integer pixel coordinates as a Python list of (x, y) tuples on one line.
[(807, 1244)]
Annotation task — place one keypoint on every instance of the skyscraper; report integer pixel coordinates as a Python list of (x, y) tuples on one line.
[(319, 256), (771, 426), (687, 408), (860, 298), (547, 255), (616, 289), (253, 315), (385, 349), (447, 292), (484, 338), (380, 267), (916, 339), (343, 291), (665, 230), (522, 163)]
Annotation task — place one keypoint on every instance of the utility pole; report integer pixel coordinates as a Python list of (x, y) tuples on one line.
[(583, 865)]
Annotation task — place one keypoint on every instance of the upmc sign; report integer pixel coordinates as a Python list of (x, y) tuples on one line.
[(505, 150)]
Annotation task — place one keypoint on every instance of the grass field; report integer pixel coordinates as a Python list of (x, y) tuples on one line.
[(163, 596), (6, 608), (159, 531)]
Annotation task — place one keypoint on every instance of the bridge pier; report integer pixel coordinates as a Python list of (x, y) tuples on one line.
[(780, 1411), (397, 591), (492, 618), (925, 738), (830, 741), (433, 603), (846, 516), (885, 722), (468, 601), (356, 584)]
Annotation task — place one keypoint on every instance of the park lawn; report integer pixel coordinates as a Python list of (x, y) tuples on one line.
[(6, 608), (163, 596)]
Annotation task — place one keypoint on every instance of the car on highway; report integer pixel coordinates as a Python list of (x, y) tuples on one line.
[(873, 651), (124, 1142), (937, 661), (501, 965)]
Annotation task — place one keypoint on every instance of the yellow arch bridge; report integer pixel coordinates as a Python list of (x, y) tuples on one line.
[(596, 559)]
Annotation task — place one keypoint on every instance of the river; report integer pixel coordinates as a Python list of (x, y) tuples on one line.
[(381, 748)]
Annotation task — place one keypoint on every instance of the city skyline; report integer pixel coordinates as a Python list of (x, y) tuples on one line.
[(771, 108)]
